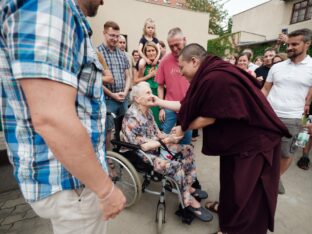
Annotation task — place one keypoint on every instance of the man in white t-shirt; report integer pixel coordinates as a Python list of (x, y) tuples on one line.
[(287, 89)]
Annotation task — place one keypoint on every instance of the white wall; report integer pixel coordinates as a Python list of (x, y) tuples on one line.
[(131, 14), (268, 19)]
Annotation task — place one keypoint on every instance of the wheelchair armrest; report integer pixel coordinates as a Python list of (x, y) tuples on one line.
[(125, 144)]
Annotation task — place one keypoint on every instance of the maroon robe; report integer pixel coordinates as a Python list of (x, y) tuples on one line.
[(246, 134)]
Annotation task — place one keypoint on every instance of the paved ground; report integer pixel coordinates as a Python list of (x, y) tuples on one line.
[(294, 212)]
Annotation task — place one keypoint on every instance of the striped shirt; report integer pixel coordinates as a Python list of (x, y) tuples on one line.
[(47, 39), (118, 63)]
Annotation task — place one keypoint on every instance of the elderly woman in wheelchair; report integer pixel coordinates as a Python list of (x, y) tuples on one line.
[(139, 127)]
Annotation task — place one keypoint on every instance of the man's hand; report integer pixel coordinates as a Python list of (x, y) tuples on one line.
[(162, 115), (309, 126), (113, 205), (306, 110), (119, 97), (260, 78), (282, 38)]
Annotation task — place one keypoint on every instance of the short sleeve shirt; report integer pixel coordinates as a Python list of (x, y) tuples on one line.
[(47, 40), (118, 63), (143, 41), (291, 83), (168, 74)]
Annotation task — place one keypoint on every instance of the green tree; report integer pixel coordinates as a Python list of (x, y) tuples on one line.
[(217, 14)]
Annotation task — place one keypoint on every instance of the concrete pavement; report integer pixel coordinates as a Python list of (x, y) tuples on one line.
[(294, 211)]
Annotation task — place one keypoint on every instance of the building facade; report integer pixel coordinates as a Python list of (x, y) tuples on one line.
[(131, 14), (264, 22)]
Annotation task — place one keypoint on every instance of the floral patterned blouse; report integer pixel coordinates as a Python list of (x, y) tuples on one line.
[(138, 127)]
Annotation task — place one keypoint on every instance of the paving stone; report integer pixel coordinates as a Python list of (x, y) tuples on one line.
[(13, 218), (30, 214), (5, 228), (13, 202), (4, 213), (14, 194), (22, 208)]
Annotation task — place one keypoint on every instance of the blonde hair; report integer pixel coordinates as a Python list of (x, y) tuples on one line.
[(137, 88), (149, 21), (151, 44)]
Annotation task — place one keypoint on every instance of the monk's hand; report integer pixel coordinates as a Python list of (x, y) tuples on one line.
[(177, 132), (112, 203)]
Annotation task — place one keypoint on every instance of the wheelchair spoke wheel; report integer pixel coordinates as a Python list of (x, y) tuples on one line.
[(125, 177)]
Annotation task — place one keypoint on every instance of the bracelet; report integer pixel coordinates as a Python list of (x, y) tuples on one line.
[(108, 195)]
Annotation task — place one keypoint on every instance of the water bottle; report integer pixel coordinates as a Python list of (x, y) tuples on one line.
[(302, 138)]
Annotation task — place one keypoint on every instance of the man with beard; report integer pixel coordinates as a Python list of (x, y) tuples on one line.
[(287, 89), (53, 112), (241, 127), (262, 71)]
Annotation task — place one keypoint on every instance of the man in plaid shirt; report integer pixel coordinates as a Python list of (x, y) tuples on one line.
[(117, 61), (53, 111)]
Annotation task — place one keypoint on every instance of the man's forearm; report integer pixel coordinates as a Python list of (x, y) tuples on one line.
[(128, 81), (161, 91), (71, 145), (201, 122), (108, 92)]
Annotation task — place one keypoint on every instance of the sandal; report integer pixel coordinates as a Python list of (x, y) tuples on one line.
[(201, 213), (198, 193), (212, 206), (304, 163)]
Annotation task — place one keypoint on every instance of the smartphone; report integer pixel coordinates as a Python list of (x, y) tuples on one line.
[(285, 31)]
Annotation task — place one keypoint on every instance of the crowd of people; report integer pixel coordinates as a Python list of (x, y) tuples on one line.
[(56, 90)]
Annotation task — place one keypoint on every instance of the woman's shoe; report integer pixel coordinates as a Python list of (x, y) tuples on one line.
[(201, 213), (201, 194)]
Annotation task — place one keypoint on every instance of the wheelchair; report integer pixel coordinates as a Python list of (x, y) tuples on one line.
[(125, 167)]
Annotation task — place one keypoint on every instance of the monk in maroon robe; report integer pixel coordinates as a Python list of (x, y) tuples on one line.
[(239, 125)]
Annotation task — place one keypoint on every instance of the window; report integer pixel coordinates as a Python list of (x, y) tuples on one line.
[(301, 11)]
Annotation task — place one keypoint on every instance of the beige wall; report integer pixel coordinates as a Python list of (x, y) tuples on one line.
[(131, 14), (247, 36), (268, 19)]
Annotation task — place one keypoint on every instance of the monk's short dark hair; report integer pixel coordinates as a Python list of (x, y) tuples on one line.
[(305, 32), (111, 24), (193, 50)]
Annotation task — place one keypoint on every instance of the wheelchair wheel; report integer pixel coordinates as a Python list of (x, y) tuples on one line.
[(125, 177), (160, 219)]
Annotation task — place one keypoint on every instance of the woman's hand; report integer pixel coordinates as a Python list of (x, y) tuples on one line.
[(150, 145)]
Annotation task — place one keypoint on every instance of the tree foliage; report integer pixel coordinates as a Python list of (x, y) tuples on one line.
[(217, 14)]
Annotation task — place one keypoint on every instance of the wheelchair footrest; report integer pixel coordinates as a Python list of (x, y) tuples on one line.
[(186, 216)]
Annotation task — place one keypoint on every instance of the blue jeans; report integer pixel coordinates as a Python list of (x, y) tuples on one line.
[(170, 122), (118, 108)]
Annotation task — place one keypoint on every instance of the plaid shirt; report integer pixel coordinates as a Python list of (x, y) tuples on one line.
[(47, 39), (118, 63)]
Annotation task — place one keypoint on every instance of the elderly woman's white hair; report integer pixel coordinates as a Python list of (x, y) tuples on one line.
[(136, 89)]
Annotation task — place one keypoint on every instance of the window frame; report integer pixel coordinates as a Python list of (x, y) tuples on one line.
[(305, 18)]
